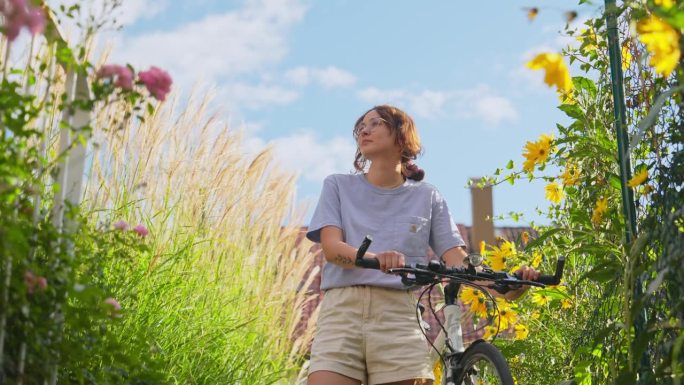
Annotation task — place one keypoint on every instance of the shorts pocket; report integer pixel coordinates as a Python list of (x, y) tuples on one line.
[(411, 235)]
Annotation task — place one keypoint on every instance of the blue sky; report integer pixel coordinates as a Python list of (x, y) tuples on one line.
[(297, 73)]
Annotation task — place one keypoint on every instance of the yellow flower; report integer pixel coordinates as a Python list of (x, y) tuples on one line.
[(525, 237), (626, 57), (508, 248), (554, 192), (566, 97), (570, 175), (535, 314), (483, 248), (662, 42), (556, 71), (479, 307), (469, 295), (506, 315), (489, 332), (664, 3), (599, 210), (500, 255), (566, 303), (497, 260), (648, 189), (521, 332), (540, 299), (437, 370), (536, 259), (537, 152), (639, 178), (588, 35)]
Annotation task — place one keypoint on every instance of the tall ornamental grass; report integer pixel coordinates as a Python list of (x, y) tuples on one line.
[(221, 290), (212, 280)]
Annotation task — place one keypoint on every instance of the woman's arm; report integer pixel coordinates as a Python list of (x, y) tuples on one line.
[(455, 256), (340, 253)]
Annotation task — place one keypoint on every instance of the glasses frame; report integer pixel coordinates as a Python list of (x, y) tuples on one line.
[(375, 123)]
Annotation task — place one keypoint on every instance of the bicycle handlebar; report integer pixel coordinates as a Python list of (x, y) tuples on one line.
[(435, 270)]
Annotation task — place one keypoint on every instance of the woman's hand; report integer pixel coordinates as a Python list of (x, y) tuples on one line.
[(526, 273), (390, 259)]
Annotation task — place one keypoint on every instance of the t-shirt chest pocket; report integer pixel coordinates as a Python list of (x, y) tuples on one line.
[(411, 235)]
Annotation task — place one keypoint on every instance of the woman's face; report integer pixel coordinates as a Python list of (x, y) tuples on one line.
[(375, 138)]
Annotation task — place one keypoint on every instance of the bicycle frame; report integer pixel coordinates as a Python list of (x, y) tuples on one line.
[(452, 340), (452, 324)]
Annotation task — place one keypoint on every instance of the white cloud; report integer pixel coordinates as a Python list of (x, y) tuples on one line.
[(312, 158), (218, 47), (427, 103), (329, 77), (126, 13), (377, 96), (239, 94), (494, 110), (305, 154), (300, 76), (479, 103)]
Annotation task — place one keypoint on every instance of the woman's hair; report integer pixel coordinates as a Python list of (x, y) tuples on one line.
[(406, 136)]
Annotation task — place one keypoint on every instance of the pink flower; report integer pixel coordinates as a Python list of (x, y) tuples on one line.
[(29, 281), (123, 75), (18, 14), (157, 81), (116, 306), (35, 20), (121, 225), (141, 230)]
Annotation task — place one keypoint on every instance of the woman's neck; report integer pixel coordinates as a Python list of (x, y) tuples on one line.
[(385, 174)]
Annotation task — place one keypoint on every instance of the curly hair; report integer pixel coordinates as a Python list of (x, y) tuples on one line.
[(406, 134)]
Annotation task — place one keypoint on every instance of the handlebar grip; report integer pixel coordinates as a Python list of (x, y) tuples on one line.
[(556, 278), (364, 246), (368, 263), (547, 280)]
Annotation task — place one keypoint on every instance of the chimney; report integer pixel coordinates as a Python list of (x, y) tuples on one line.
[(483, 215)]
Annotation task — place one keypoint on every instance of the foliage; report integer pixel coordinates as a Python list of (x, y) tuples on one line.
[(625, 322), (188, 295), (56, 314)]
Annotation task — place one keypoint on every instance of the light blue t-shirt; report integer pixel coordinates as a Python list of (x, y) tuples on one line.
[(406, 219)]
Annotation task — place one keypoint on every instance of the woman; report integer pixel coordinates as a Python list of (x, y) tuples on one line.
[(367, 331)]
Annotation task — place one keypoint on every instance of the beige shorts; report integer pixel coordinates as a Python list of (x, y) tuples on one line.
[(370, 334)]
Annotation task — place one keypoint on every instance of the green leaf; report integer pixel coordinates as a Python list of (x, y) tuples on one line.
[(653, 113), (582, 83), (540, 240), (603, 272), (572, 110), (614, 181), (510, 164)]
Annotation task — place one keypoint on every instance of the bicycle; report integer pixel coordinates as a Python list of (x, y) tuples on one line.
[(481, 362)]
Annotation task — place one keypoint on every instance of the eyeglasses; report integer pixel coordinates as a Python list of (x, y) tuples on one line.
[(371, 125)]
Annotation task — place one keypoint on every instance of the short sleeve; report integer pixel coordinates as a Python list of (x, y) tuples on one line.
[(444, 234), (328, 212)]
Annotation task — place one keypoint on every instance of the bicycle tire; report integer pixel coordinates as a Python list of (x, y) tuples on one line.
[(483, 353)]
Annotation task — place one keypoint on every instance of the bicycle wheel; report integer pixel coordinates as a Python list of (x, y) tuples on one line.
[(483, 364)]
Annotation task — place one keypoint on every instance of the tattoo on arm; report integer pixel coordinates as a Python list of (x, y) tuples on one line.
[(342, 260)]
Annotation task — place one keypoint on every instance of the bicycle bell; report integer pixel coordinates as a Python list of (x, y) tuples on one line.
[(474, 260)]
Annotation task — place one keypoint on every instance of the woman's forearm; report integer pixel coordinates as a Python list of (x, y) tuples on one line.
[(341, 254)]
